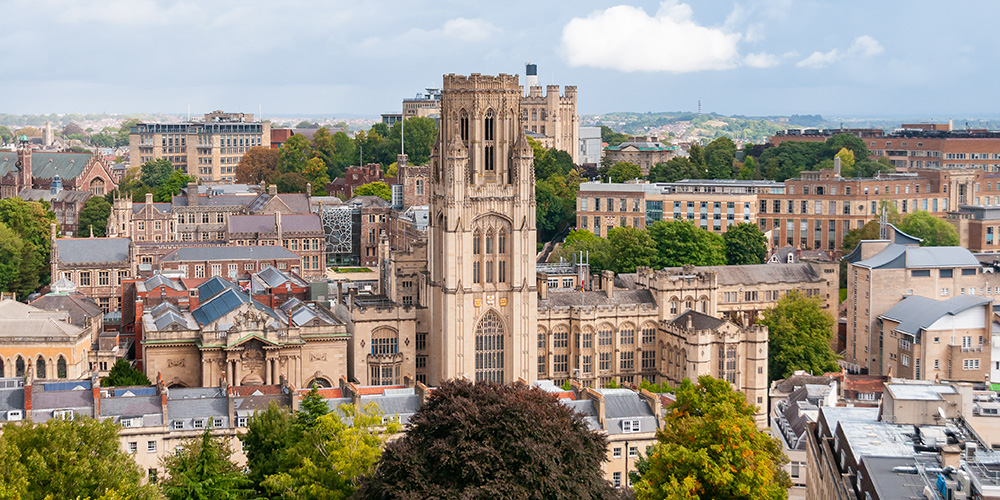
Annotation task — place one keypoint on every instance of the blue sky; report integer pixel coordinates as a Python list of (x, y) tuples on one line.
[(329, 57)]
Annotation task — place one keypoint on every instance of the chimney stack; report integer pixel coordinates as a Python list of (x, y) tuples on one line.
[(608, 282), (192, 194)]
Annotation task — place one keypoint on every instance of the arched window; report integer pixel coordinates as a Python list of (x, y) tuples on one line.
[(61, 367), (502, 242), (383, 364), (475, 272), (97, 187), (489, 348), (463, 126), (489, 242), (476, 243), (489, 126), (19, 367), (627, 334), (534, 114), (40, 368), (385, 341)]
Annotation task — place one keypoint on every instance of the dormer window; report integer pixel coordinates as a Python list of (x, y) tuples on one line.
[(630, 425)]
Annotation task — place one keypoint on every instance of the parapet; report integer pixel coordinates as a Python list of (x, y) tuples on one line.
[(477, 81)]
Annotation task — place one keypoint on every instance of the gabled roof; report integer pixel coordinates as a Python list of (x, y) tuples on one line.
[(162, 207), (915, 313), (170, 318), (45, 165), (93, 250), (212, 286), (78, 306), (699, 321), (272, 277), (158, 280), (896, 256), (225, 302), (267, 223)]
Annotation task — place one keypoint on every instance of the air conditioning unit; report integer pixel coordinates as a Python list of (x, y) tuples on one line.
[(15, 415), (970, 451)]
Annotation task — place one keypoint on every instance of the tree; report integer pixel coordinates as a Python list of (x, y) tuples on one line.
[(94, 214), (379, 189), (799, 336), (421, 132), (745, 244), (854, 144), (870, 231), (172, 186), (203, 471), (80, 458), (257, 165), (123, 374), (719, 157), (554, 209), (312, 407), (487, 440), (293, 154), (154, 173), (710, 447), (291, 182), (631, 247), (624, 171), (846, 161), (612, 138), (6, 136), (315, 173), (325, 149), (675, 169), (681, 243), (270, 435), (933, 231), (333, 455), (30, 220), (72, 129), (121, 136), (306, 124), (583, 242), (11, 253)]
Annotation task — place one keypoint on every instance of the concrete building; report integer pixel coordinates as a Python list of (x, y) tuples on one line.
[(713, 205), (978, 226), (645, 152), (591, 149), (208, 150)]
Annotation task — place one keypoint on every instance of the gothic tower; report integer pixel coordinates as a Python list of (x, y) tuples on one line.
[(483, 302)]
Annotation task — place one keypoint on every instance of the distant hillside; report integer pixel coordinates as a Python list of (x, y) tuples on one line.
[(691, 126)]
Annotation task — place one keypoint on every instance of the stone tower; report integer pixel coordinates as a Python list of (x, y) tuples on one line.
[(483, 302)]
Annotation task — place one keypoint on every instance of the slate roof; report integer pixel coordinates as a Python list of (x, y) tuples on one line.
[(915, 313), (45, 165), (158, 280), (266, 223), (130, 406), (162, 207), (11, 399), (402, 406), (78, 306), (699, 321), (762, 273), (64, 196), (93, 250), (215, 201), (368, 201), (574, 298), (624, 403), (296, 202), (212, 286), (896, 256), (22, 322), (227, 253), (224, 302)]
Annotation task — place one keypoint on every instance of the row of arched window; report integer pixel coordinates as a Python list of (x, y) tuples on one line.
[(488, 252), (41, 367)]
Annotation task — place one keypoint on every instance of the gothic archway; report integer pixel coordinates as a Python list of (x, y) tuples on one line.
[(489, 348)]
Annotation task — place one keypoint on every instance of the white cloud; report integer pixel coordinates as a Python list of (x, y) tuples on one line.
[(468, 30), (819, 59), (626, 38), (761, 60), (867, 46), (862, 46)]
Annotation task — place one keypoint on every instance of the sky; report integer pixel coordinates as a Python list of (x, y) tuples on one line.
[(361, 57)]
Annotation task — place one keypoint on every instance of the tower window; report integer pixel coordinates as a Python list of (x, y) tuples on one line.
[(463, 127), (489, 242), (488, 163), (488, 129), (475, 243)]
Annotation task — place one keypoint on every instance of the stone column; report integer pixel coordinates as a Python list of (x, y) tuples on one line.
[(296, 368), (229, 372), (267, 371), (237, 376)]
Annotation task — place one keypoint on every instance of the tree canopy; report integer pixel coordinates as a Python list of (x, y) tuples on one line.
[(94, 214), (799, 333), (624, 171), (632, 247), (933, 231), (27, 245), (583, 242), (123, 374), (258, 164), (486, 440), (709, 448), (745, 244), (80, 458), (203, 471), (378, 188), (681, 243)]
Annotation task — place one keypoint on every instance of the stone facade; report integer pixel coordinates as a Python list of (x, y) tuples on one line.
[(482, 235), (644, 152), (98, 266), (44, 170), (554, 116)]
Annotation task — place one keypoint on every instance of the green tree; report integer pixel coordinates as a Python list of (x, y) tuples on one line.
[(294, 153), (487, 440), (696, 155), (121, 136), (30, 220), (745, 244), (631, 247), (681, 243), (312, 407), (270, 435), (851, 142), (325, 149), (347, 154), (933, 231), (719, 157), (80, 458), (291, 182), (203, 471), (6, 136), (11, 253), (624, 171), (94, 214), (799, 336), (315, 172), (870, 231), (154, 173), (333, 455), (258, 164), (846, 161), (612, 138), (554, 209), (172, 186), (421, 132), (379, 189), (710, 447), (123, 374), (583, 242)]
